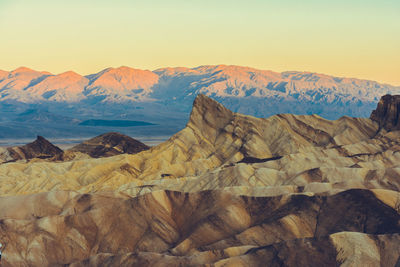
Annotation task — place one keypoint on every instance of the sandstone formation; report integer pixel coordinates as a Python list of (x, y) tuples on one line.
[(110, 144), (227, 190)]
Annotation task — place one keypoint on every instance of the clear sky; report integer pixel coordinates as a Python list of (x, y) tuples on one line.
[(350, 38)]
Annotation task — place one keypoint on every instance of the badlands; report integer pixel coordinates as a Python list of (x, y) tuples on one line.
[(227, 190)]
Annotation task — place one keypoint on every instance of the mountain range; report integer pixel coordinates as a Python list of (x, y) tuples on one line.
[(40, 103), (126, 84)]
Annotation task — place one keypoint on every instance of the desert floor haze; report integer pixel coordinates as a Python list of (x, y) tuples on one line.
[(227, 190)]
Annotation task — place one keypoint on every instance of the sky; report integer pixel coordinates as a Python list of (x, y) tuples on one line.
[(350, 38)]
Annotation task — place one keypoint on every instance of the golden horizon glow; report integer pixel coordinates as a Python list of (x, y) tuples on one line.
[(357, 39)]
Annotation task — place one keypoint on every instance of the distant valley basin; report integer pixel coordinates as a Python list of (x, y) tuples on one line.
[(115, 123)]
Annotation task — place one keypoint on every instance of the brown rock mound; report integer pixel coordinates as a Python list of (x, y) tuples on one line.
[(110, 144), (40, 148), (387, 113)]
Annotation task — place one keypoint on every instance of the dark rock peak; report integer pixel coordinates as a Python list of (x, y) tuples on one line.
[(114, 138), (41, 139), (110, 144), (40, 148), (387, 113)]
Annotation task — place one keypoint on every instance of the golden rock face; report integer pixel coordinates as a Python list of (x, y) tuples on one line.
[(227, 190)]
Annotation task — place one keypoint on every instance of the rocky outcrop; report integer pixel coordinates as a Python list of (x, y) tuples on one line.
[(387, 113), (105, 145), (41, 148), (213, 143), (227, 190), (110, 144)]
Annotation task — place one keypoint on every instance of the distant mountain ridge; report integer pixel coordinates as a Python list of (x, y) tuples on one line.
[(251, 91)]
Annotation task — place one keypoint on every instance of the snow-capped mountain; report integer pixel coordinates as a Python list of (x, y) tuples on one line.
[(255, 92)]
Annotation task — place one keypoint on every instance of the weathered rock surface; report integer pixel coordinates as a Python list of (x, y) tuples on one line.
[(40, 148), (387, 113), (228, 190), (214, 141), (209, 227), (110, 144)]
